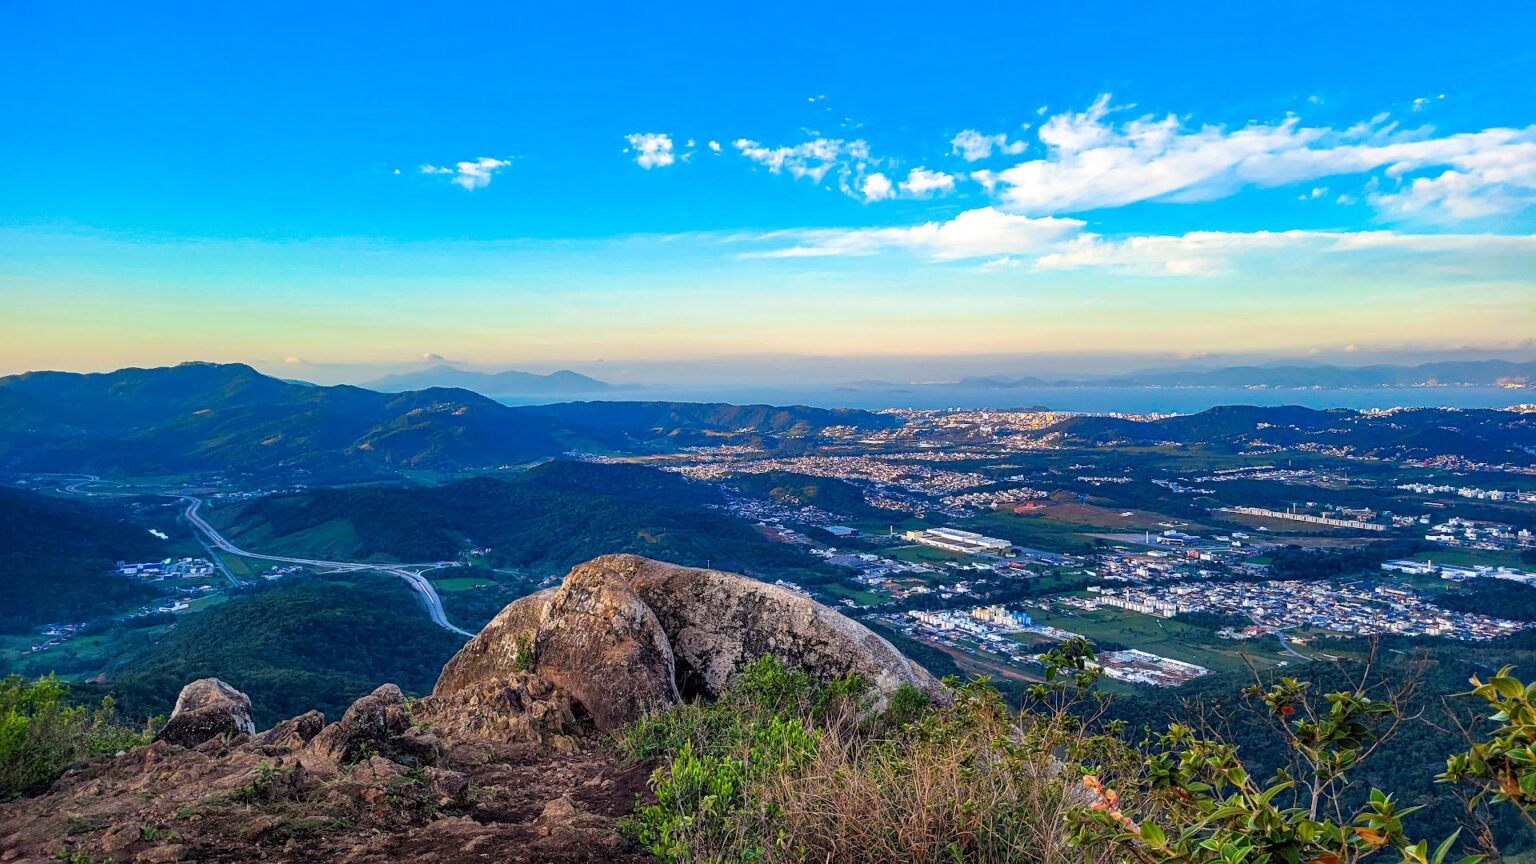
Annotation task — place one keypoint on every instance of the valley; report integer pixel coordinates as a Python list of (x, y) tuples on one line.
[(1192, 551)]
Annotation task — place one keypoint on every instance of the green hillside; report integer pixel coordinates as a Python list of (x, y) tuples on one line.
[(315, 642), (56, 558), (543, 520)]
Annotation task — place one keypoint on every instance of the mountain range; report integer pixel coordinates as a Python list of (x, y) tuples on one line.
[(204, 417)]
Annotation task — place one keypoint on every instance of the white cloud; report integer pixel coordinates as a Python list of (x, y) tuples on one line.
[(813, 159), (922, 183), (980, 233), (1093, 162), (1214, 253), (294, 361), (972, 146), (848, 162), (652, 149), (470, 175), (1486, 182), (1007, 240), (877, 187), (715, 146)]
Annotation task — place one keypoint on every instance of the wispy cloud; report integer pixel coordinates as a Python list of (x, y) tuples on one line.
[(469, 175), (983, 232), (651, 149), (1218, 253), (1011, 240), (1094, 161), (813, 159), (973, 146)]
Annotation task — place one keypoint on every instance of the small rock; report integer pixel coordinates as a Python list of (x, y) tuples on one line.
[(418, 746), (449, 787), (162, 854)]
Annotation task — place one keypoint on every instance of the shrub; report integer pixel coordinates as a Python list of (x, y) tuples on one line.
[(783, 768), (1502, 767), (1194, 801), (41, 735)]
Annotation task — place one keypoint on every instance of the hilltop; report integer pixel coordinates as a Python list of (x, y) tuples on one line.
[(507, 759)]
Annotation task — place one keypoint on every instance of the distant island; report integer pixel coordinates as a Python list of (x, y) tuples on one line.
[(509, 383)]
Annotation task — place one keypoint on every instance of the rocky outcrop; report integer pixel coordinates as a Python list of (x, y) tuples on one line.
[(293, 733), (208, 708), (366, 727), (719, 623), (601, 644), (624, 635), (254, 798), (502, 649), (523, 708)]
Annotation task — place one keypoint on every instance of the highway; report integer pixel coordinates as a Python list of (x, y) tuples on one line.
[(411, 573)]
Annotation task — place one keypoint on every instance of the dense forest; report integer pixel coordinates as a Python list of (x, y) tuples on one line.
[(318, 642), (59, 556), (1504, 599)]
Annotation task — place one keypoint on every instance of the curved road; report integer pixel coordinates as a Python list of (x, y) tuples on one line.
[(420, 583), (413, 577)]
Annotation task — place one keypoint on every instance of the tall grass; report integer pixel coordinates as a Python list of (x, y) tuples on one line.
[(783, 769)]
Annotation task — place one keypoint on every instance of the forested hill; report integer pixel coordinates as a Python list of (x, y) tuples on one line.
[(543, 520), (210, 418), (58, 556), (200, 417)]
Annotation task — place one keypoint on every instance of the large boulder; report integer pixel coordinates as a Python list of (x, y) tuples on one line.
[(208, 708), (719, 623), (502, 649), (291, 734), (601, 644), (365, 728)]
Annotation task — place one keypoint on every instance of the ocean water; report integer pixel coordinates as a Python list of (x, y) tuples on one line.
[(1179, 400)]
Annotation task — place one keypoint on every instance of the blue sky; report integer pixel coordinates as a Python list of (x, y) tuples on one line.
[(360, 186)]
